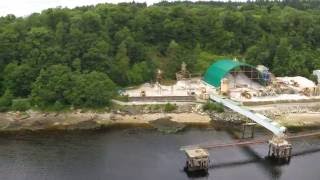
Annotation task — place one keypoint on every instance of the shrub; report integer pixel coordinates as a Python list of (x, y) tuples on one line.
[(6, 101), (20, 105), (58, 106), (170, 107), (209, 106), (123, 98)]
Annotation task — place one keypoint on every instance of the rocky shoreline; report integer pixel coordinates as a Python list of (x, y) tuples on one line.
[(189, 114)]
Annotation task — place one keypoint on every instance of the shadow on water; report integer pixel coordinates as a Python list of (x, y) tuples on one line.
[(265, 160), (269, 164), (197, 174)]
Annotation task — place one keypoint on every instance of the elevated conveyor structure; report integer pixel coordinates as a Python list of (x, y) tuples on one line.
[(272, 126), (279, 147)]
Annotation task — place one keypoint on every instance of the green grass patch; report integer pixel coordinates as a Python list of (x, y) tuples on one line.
[(209, 106), (170, 107)]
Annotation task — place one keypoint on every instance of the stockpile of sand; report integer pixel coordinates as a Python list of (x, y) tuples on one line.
[(241, 80), (300, 81)]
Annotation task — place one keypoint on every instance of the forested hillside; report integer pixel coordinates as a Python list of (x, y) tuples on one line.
[(80, 56)]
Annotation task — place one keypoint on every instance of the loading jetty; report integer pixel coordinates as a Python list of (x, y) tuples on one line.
[(280, 148)]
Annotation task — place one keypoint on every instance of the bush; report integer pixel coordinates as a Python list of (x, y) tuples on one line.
[(123, 98), (20, 105), (6, 101), (170, 107), (58, 106), (209, 106)]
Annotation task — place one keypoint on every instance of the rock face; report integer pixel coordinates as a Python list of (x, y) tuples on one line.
[(15, 121), (78, 120), (166, 125), (227, 116)]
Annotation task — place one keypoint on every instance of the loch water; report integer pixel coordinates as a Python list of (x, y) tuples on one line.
[(143, 154)]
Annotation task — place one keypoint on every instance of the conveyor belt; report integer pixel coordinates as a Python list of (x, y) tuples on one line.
[(272, 126)]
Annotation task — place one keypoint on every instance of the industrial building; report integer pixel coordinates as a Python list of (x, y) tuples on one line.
[(236, 80), (219, 70), (248, 84)]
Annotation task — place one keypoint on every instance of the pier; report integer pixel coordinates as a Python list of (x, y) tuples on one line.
[(282, 152), (279, 146)]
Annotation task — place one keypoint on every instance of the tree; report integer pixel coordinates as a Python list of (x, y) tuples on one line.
[(139, 73), (177, 54), (129, 41), (94, 89), (19, 78), (120, 67), (173, 61), (52, 84), (6, 101), (96, 58), (281, 58)]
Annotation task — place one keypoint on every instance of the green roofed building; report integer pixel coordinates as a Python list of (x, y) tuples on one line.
[(218, 70)]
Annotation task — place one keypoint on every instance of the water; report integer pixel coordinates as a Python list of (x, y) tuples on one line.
[(143, 155)]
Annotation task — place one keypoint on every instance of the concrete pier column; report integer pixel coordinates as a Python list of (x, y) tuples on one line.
[(248, 128), (280, 149)]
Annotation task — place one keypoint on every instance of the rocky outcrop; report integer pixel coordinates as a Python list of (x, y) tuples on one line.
[(166, 125)]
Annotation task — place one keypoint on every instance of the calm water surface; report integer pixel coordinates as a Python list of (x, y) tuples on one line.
[(143, 155)]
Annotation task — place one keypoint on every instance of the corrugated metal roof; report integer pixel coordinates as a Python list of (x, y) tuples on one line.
[(219, 69)]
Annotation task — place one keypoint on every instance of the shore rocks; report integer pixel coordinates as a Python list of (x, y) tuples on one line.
[(227, 116), (166, 125), (146, 115)]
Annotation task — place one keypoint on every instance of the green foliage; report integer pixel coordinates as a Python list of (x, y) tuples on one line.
[(52, 56), (205, 60), (139, 73), (18, 79), (6, 101), (170, 107), (59, 87), (52, 84), (20, 105), (58, 106), (209, 106), (94, 89)]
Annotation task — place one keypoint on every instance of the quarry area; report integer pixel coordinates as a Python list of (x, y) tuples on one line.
[(237, 81), (290, 101)]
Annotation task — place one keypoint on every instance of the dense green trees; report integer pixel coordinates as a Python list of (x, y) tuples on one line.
[(18, 79), (58, 85), (94, 89), (52, 85), (77, 57), (6, 101)]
